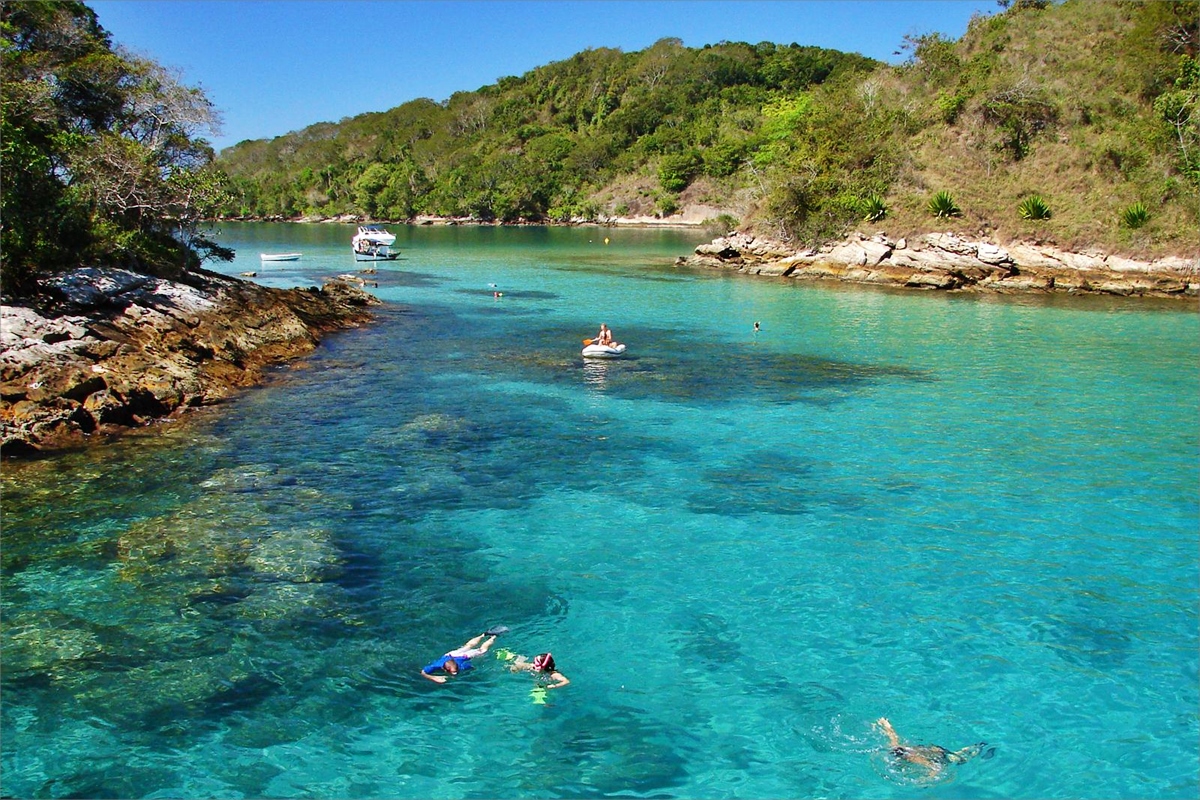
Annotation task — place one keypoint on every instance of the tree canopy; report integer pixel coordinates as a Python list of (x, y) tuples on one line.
[(100, 151)]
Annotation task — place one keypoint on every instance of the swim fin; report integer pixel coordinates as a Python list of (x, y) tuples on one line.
[(496, 630)]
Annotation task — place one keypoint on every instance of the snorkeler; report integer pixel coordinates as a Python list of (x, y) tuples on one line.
[(459, 660), (542, 666), (930, 756)]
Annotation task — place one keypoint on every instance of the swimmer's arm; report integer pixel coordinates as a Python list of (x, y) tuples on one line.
[(560, 680), (886, 727), (434, 678)]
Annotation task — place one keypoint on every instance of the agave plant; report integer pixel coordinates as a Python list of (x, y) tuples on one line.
[(1033, 208), (1135, 216), (942, 205), (873, 208)]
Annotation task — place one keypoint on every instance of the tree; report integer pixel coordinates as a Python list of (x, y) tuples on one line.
[(100, 151), (1180, 110)]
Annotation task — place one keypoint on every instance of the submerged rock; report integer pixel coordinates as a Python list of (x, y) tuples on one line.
[(119, 349), (297, 556)]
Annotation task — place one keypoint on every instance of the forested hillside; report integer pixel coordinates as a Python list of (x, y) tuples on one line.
[(1076, 123)]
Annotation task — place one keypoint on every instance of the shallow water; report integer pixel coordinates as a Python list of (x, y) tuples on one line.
[(976, 516)]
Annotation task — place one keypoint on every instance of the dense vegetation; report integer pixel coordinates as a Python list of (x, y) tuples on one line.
[(541, 145), (99, 152), (1089, 106)]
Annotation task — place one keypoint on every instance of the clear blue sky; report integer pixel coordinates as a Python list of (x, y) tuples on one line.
[(274, 66)]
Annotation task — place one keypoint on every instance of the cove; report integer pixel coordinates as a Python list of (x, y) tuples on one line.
[(973, 515)]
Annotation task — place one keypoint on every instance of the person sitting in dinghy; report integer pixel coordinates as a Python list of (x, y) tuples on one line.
[(605, 337)]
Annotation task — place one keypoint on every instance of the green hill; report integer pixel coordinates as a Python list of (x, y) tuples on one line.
[(1075, 123)]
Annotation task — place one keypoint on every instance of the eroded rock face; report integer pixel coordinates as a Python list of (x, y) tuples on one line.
[(948, 261), (121, 349)]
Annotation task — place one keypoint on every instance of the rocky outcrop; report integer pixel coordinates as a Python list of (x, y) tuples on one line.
[(118, 349), (947, 261)]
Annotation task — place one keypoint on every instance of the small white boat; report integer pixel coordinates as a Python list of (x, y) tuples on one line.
[(603, 351), (279, 256)]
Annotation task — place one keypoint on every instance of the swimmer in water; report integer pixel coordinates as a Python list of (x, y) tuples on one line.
[(933, 758), (544, 668), (458, 660)]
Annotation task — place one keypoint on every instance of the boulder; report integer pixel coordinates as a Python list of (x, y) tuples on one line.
[(991, 254), (850, 254), (876, 251)]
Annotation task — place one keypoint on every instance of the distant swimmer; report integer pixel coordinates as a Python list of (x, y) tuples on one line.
[(459, 660), (757, 327), (931, 757)]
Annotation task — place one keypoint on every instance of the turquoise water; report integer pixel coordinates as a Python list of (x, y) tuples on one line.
[(976, 516)]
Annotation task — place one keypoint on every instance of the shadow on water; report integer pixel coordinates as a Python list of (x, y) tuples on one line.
[(515, 294), (610, 751), (707, 639), (755, 482), (666, 366)]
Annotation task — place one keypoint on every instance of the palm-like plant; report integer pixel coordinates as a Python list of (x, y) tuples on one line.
[(1033, 208), (942, 205), (1135, 216), (873, 208)]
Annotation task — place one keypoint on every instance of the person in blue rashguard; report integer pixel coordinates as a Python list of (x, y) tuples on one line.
[(459, 660)]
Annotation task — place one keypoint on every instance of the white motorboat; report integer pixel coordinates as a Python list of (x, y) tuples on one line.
[(373, 234), (279, 256), (595, 350), (373, 243)]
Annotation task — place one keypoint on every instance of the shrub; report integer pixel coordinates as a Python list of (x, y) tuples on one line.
[(942, 205), (1020, 114), (676, 170), (667, 205), (1135, 216), (1033, 208), (873, 208), (950, 105), (723, 159), (720, 225)]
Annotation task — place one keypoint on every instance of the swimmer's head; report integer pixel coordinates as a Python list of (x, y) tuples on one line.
[(451, 666), (544, 663)]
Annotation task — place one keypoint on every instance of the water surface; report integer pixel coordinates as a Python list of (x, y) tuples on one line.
[(976, 516)]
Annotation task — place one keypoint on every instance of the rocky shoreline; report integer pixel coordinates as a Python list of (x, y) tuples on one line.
[(947, 261), (118, 350)]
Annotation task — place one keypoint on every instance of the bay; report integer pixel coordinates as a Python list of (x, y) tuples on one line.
[(976, 516)]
